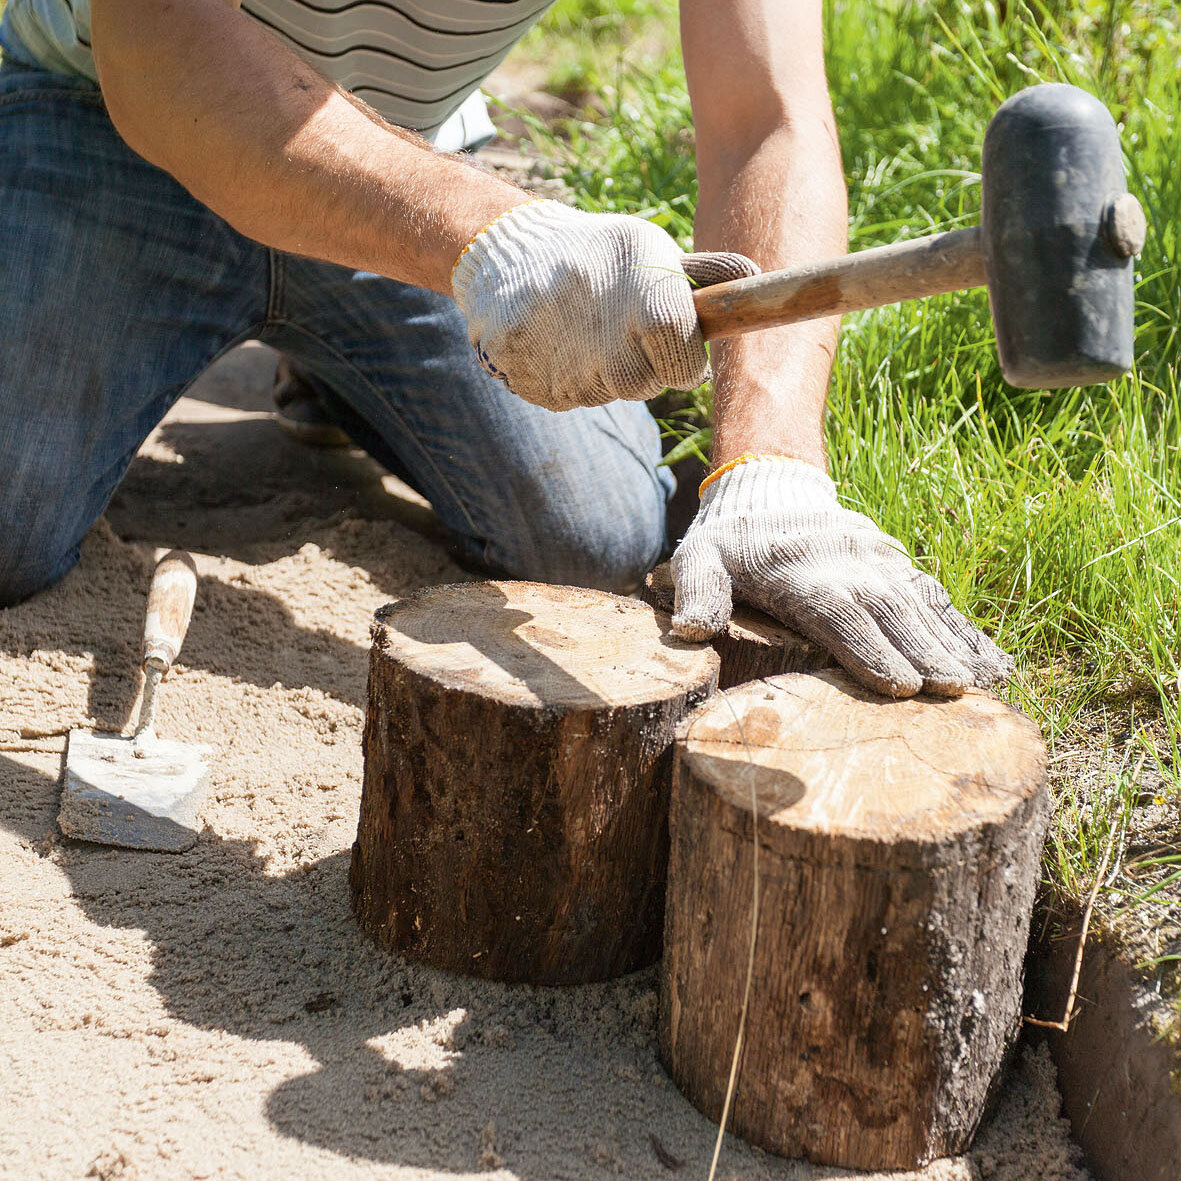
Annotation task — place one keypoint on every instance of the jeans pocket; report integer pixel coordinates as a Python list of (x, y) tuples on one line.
[(19, 82)]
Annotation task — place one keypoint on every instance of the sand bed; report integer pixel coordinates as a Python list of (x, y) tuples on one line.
[(218, 1014)]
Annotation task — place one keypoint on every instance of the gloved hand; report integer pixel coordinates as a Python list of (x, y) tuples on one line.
[(770, 531), (577, 309)]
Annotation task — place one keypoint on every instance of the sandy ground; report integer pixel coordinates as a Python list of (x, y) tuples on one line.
[(218, 1014)]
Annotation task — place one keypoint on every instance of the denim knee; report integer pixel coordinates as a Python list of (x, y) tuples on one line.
[(606, 537), (21, 577), (40, 519)]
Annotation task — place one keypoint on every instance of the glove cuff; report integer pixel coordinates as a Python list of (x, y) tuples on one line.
[(535, 213), (750, 457), (754, 483)]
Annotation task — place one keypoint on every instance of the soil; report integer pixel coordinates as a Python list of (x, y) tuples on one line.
[(1117, 1072), (218, 1013), (1119, 1064), (1138, 911)]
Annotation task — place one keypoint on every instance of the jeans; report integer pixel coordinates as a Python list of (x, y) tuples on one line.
[(117, 288)]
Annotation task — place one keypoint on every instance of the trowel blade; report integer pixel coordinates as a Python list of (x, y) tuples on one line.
[(138, 796)]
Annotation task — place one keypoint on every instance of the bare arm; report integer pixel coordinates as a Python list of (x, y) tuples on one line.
[(205, 93), (771, 187)]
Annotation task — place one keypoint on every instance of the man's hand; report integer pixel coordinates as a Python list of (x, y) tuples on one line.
[(577, 309), (771, 532)]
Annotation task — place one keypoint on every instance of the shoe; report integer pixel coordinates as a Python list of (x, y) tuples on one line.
[(300, 414)]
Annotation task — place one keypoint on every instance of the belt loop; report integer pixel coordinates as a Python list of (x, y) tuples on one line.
[(277, 295)]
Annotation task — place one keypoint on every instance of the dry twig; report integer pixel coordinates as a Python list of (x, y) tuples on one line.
[(750, 959), (1063, 1025)]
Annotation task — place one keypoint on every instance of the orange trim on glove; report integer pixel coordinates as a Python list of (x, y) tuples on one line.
[(503, 213), (746, 457)]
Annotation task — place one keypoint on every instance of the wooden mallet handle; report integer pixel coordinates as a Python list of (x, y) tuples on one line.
[(950, 261), (170, 607)]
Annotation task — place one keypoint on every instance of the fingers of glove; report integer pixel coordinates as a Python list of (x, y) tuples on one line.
[(849, 633), (908, 625), (643, 327), (991, 665), (704, 594), (718, 266), (669, 341), (638, 367)]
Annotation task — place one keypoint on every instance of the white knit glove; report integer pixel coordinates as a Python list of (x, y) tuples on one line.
[(577, 309), (770, 531)]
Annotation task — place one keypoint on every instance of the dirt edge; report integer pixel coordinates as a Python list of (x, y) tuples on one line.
[(1117, 1073)]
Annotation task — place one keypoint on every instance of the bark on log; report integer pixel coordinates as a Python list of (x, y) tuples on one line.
[(753, 645), (517, 749), (899, 848)]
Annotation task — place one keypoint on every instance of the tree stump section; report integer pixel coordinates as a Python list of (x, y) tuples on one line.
[(753, 645), (899, 847), (518, 748)]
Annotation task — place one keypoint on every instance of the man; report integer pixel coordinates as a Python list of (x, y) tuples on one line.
[(172, 174)]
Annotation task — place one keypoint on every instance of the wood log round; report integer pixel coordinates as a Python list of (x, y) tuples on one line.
[(753, 645), (899, 847), (517, 749)]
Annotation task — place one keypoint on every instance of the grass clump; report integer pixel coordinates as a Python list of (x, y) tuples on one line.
[(580, 41)]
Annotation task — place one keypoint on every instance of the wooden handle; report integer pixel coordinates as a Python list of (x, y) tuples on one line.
[(886, 274), (170, 607)]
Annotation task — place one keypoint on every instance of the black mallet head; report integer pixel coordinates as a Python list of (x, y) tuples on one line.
[(1059, 232)]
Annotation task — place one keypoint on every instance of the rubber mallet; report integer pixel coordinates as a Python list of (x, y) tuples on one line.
[(1055, 245)]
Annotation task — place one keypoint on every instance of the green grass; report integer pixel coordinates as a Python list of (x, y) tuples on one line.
[(1054, 518), (582, 42)]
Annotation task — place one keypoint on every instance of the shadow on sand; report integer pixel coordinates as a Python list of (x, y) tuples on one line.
[(242, 951)]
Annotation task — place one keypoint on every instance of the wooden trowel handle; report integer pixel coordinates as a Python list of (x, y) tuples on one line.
[(950, 261), (170, 607)]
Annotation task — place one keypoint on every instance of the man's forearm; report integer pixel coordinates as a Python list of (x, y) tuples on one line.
[(783, 203), (287, 159), (771, 187)]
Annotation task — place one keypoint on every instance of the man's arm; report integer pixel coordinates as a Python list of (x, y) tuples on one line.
[(207, 94), (569, 308), (772, 188)]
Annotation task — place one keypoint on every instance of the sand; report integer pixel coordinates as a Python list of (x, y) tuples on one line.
[(217, 1013)]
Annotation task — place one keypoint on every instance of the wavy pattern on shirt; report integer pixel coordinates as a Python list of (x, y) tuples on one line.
[(414, 61)]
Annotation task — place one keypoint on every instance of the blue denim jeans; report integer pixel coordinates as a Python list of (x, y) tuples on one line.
[(117, 289)]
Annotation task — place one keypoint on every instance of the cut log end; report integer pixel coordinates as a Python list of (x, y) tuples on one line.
[(828, 756), (517, 753), (899, 847), (532, 644)]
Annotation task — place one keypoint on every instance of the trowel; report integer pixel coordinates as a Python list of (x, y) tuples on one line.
[(142, 791)]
